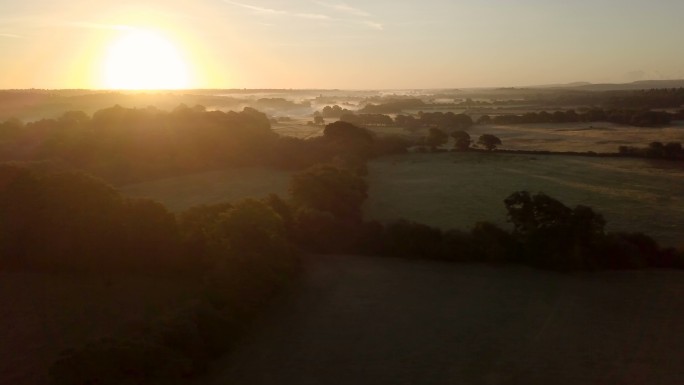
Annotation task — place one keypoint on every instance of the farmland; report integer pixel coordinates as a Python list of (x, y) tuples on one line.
[(389, 321), (183, 192), (455, 190)]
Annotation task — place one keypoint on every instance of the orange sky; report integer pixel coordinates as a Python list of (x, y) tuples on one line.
[(330, 44)]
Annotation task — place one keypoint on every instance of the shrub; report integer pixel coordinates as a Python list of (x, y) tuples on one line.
[(329, 189), (411, 239)]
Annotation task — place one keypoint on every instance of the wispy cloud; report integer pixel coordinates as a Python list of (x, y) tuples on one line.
[(316, 16), (374, 25), (11, 36), (354, 16), (345, 8), (88, 25), (360, 16), (257, 9), (275, 12)]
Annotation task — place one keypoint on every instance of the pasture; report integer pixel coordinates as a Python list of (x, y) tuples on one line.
[(376, 321), (180, 193), (580, 137), (456, 190)]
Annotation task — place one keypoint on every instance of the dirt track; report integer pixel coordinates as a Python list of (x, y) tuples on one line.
[(386, 321)]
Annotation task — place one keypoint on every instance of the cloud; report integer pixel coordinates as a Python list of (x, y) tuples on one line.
[(11, 36), (316, 16), (271, 11), (360, 16), (82, 24), (257, 9), (374, 25), (343, 7)]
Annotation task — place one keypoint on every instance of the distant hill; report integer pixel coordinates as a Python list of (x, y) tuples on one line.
[(638, 85)]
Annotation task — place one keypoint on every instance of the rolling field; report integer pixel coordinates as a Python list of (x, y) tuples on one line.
[(180, 193), (456, 190), (580, 137), (380, 321)]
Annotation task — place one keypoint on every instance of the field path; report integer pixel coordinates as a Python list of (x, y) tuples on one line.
[(387, 321)]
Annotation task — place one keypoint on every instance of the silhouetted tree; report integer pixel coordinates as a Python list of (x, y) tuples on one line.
[(462, 140), (346, 132), (436, 138), (553, 234), (330, 189), (489, 141), (484, 119)]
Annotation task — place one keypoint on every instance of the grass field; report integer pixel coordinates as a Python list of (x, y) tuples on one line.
[(180, 193), (581, 137), (455, 190), (380, 321)]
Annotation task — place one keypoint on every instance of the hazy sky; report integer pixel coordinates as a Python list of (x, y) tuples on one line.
[(350, 44)]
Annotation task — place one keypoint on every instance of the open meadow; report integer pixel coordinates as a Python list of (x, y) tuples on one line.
[(376, 321), (456, 190), (180, 193), (580, 137)]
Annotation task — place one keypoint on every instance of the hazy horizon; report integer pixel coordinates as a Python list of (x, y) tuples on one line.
[(529, 86), (327, 44)]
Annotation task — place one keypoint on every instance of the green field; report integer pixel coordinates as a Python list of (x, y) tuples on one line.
[(369, 321), (180, 193), (580, 137), (455, 190)]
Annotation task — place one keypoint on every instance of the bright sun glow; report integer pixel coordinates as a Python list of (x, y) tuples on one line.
[(144, 60)]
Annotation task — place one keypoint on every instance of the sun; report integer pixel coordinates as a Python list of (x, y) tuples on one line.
[(144, 60)]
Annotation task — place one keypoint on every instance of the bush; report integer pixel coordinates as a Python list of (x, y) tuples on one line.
[(491, 243), (118, 361), (82, 224), (330, 189), (414, 240)]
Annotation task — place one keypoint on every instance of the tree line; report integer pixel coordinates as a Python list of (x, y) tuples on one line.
[(451, 121), (638, 118), (546, 233), (84, 224), (655, 150), (123, 145), (634, 99)]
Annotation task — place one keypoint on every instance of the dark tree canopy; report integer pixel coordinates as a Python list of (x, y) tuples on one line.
[(334, 111), (329, 189), (554, 233), (489, 141), (436, 137), (69, 220), (462, 140), (347, 132)]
